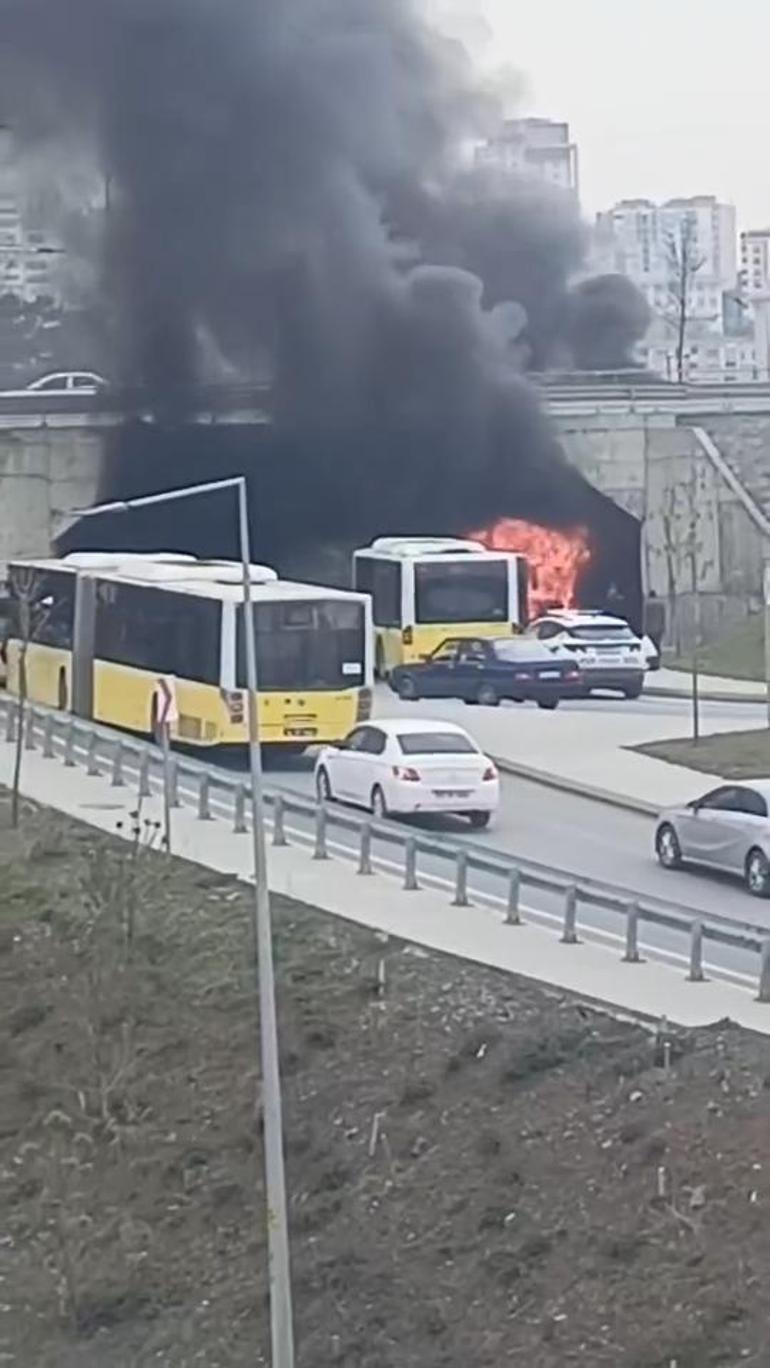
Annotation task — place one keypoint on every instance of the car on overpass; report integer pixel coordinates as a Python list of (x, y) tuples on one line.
[(58, 384), (486, 671), (609, 654), (399, 766), (727, 829)]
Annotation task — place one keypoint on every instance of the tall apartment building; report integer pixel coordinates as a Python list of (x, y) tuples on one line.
[(634, 237), (538, 149), (29, 261), (755, 262)]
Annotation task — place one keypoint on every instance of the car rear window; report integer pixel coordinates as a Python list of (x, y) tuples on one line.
[(599, 633), (435, 743)]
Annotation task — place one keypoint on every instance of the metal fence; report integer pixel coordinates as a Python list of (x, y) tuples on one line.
[(420, 858)]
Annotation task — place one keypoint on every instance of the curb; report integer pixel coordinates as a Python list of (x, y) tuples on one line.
[(707, 696), (577, 787)]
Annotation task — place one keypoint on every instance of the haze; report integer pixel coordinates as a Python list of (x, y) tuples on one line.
[(663, 98)]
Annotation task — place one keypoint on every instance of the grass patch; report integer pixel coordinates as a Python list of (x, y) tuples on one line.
[(739, 655), (733, 755)]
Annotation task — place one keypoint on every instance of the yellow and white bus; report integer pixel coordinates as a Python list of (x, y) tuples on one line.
[(425, 589), (107, 627)]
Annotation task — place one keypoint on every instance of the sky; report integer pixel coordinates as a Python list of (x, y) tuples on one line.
[(663, 97)]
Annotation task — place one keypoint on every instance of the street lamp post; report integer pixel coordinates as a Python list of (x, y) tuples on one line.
[(281, 1326)]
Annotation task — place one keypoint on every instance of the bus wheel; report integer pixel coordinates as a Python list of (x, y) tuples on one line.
[(61, 701)]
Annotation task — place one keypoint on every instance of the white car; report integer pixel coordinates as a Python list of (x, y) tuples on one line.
[(68, 382), (59, 383), (399, 765), (610, 655)]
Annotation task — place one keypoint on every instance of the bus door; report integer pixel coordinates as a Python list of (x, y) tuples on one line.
[(82, 685)]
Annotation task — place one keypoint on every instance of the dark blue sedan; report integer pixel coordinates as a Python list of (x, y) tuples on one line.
[(486, 671)]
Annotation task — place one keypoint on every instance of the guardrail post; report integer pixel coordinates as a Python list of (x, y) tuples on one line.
[(279, 834), (512, 914), (117, 766), (320, 852), (365, 849), (48, 750), (69, 745), (93, 745), (763, 993), (461, 880), (239, 823), (696, 953), (569, 934), (410, 865), (632, 955), (204, 798), (10, 722), (29, 729), (144, 775)]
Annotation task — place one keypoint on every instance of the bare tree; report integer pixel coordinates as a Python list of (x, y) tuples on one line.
[(30, 612), (684, 550), (683, 264)]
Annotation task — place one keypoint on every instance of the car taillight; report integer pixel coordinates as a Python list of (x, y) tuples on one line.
[(364, 705), (522, 674), (406, 772), (489, 773), (572, 674)]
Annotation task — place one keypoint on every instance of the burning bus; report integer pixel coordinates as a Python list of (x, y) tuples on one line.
[(425, 589)]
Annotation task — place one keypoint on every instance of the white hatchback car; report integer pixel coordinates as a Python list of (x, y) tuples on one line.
[(609, 654), (399, 765)]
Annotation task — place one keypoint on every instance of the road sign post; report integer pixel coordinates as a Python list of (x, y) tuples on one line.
[(166, 712)]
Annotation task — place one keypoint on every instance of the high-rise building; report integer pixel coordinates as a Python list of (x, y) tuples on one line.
[(755, 262), (29, 260), (538, 149), (638, 238)]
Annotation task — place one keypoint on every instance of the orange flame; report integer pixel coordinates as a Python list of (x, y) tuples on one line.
[(555, 559)]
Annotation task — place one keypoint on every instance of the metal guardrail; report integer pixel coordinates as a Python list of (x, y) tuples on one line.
[(104, 752)]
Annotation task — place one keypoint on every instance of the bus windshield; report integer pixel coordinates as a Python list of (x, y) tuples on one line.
[(312, 644), (461, 591)]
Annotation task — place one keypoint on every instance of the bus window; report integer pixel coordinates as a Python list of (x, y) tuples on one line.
[(163, 632), (386, 593), (317, 644), (53, 607), (461, 591)]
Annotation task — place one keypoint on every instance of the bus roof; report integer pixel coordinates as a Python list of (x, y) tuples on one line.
[(185, 575), (409, 548)]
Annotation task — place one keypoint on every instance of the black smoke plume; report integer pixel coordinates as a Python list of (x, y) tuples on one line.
[(287, 179)]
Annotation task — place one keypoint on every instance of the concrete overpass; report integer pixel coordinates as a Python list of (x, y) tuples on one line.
[(639, 443)]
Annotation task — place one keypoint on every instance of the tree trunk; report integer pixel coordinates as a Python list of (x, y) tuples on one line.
[(21, 710)]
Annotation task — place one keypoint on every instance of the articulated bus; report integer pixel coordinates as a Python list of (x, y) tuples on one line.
[(106, 628), (425, 589)]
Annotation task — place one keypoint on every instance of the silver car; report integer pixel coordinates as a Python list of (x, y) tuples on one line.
[(727, 829)]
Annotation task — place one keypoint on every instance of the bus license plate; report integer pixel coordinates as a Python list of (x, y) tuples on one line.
[(300, 731)]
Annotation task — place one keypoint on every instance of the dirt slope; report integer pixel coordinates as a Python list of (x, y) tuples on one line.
[(481, 1172)]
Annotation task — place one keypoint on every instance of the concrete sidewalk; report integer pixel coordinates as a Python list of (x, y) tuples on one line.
[(593, 971), (665, 683)]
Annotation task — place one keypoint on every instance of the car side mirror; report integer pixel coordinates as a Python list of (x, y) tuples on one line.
[(695, 805)]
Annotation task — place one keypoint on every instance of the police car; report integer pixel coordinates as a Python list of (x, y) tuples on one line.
[(610, 655)]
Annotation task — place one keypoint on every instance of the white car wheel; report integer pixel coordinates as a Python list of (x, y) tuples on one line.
[(323, 787)]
